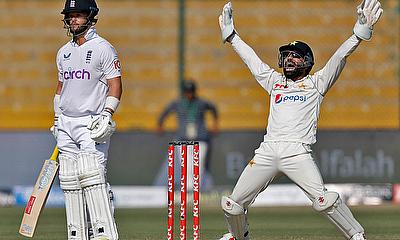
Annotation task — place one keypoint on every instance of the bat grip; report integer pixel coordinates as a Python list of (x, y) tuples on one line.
[(55, 154)]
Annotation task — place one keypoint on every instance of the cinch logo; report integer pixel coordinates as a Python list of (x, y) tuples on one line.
[(78, 74), (279, 98)]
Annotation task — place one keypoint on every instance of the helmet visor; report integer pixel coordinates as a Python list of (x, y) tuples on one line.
[(291, 59)]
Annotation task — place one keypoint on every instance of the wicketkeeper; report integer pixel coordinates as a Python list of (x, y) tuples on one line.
[(295, 102), (88, 93)]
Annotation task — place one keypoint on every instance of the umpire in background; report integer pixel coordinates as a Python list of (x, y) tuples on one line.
[(190, 113)]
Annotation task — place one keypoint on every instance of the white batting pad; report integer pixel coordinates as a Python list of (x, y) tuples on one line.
[(76, 214), (74, 201), (100, 211), (90, 171), (111, 198), (68, 173), (236, 218), (338, 213), (92, 179)]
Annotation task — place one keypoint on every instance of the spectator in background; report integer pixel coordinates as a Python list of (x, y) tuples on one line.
[(190, 113)]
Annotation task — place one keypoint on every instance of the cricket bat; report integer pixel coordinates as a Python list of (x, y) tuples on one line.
[(39, 195)]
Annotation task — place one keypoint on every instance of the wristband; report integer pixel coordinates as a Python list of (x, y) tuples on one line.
[(111, 103)]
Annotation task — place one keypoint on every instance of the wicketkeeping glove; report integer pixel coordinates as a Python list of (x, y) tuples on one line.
[(226, 22), (101, 127), (369, 12)]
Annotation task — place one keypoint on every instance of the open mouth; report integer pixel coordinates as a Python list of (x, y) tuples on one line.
[(289, 69), (290, 66)]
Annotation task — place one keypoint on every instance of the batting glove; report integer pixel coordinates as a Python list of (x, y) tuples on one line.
[(101, 127), (57, 112), (226, 22), (368, 12), (54, 128)]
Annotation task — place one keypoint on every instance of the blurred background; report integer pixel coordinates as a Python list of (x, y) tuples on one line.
[(162, 42)]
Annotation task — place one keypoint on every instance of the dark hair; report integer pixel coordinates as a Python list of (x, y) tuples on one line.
[(189, 86)]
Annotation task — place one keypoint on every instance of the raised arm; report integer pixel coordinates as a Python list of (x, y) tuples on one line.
[(327, 76), (368, 13), (263, 73)]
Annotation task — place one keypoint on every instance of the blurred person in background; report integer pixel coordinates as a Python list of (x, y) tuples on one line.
[(88, 93), (190, 113), (295, 101)]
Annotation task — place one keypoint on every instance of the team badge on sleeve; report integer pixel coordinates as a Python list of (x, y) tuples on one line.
[(117, 64)]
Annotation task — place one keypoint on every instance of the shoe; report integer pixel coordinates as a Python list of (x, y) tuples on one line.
[(358, 236), (227, 236), (101, 238)]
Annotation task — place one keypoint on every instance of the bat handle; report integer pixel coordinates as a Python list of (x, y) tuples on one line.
[(55, 154)]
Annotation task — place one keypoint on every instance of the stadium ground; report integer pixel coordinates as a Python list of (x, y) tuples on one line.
[(289, 223)]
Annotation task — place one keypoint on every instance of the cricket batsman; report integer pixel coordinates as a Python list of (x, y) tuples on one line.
[(88, 93), (295, 102)]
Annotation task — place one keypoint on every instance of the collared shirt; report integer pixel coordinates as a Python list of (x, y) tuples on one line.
[(84, 71), (294, 105)]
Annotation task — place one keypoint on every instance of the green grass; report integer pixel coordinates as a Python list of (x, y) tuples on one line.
[(288, 223)]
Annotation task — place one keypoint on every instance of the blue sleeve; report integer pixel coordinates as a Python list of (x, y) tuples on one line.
[(169, 109)]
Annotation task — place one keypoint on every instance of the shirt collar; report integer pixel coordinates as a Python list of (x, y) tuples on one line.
[(89, 35)]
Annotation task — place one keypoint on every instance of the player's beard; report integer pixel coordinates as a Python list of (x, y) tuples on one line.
[(292, 71), (78, 30), (293, 74)]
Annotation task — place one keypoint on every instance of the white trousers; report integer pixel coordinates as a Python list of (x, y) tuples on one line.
[(272, 160), (74, 137)]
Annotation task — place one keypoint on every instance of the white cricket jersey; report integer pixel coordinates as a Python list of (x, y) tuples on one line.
[(294, 106), (84, 71)]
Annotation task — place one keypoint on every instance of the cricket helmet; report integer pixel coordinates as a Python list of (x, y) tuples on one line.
[(80, 6), (296, 49)]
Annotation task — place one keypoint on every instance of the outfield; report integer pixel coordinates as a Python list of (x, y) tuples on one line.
[(381, 222)]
